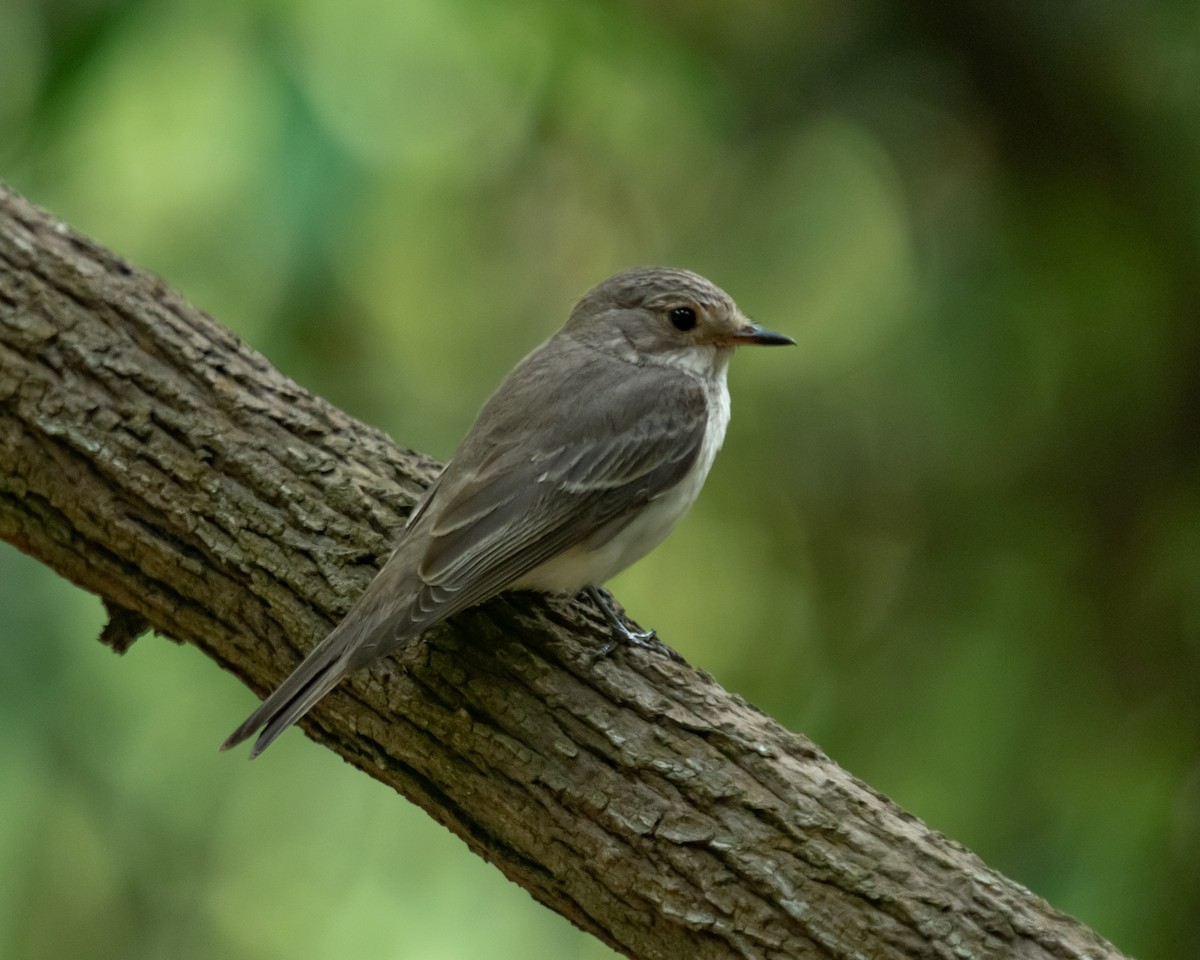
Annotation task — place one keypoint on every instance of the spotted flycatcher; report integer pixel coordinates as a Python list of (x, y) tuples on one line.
[(579, 464)]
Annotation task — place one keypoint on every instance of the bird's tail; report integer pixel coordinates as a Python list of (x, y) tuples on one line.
[(316, 676), (380, 622)]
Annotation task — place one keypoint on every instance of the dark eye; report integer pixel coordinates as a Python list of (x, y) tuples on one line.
[(683, 318)]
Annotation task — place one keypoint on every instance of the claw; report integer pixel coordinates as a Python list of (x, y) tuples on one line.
[(620, 626)]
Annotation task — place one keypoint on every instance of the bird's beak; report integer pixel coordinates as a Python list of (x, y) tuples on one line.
[(753, 333)]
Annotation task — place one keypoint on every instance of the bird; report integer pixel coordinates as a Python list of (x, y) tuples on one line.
[(579, 464)]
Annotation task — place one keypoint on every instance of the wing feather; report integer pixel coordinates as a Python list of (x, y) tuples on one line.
[(556, 479)]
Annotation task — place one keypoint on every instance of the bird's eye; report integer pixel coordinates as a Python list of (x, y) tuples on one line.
[(683, 318)]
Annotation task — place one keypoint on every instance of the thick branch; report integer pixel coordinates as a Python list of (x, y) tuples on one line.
[(152, 458)]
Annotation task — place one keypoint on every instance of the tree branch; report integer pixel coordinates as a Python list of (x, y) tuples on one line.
[(152, 458)]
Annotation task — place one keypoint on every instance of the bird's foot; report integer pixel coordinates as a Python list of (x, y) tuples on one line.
[(622, 631)]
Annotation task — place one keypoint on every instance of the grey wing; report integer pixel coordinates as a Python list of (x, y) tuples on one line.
[(558, 487)]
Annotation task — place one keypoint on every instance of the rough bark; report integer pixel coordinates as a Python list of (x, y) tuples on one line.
[(152, 458)]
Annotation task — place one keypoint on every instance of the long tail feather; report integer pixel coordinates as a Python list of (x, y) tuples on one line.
[(293, 698), (378, 623)]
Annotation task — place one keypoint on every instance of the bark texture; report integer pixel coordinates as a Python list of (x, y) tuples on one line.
[(152, 458)]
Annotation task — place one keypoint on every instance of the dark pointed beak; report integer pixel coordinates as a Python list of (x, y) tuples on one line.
[(753, 333)]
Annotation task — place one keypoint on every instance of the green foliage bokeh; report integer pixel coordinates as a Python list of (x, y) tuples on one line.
[(954, 536)]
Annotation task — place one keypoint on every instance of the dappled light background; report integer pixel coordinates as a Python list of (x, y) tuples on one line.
[(954, 536)]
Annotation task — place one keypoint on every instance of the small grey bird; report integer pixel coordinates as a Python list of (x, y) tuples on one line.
[(579, 464)]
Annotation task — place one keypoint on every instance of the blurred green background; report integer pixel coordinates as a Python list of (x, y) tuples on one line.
[(954, 536)]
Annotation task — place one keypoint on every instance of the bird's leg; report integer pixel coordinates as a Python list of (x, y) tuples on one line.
[(620, 625)]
